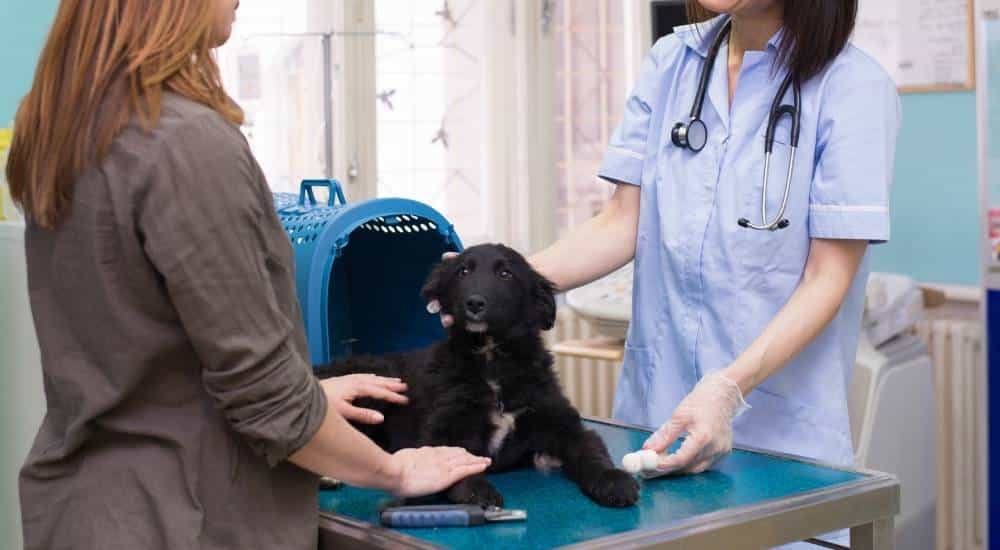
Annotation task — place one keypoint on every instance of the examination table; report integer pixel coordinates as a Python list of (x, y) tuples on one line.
[(750, 499)]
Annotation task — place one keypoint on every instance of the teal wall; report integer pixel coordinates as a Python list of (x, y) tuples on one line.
[(23, 26), (935, 195), (935, 213)]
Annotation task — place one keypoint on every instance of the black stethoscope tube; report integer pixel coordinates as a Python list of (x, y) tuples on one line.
[(693, 134)]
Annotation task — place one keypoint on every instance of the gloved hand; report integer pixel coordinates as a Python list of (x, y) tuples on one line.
[(706, 416), (434, 307)]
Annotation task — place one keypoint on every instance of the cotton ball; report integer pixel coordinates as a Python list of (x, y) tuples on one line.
[(632, 463), (648, 459)]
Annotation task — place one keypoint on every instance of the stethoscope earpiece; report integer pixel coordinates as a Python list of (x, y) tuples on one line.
[(693, 134), (743, 222)]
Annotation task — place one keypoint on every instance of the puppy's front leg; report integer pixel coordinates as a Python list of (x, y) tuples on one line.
[(475, 490), (450, 427), (585, 460), (591, 468)]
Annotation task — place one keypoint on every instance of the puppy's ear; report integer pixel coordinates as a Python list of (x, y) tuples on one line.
[(545, 301), (434, 288)]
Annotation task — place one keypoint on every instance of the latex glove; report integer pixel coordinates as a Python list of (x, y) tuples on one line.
[(341, 391), (706, 416), (434, 307)]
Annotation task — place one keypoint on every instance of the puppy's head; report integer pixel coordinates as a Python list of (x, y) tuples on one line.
[(492, 289)]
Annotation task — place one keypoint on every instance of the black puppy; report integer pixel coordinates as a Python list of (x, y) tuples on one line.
[(489, 386)]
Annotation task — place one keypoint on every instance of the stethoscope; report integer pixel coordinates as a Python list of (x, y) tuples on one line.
[(693, 134)]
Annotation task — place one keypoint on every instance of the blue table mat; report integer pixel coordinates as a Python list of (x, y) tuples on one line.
[(559, 514)]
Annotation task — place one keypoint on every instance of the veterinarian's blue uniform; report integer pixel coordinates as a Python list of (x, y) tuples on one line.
[(705, 288)]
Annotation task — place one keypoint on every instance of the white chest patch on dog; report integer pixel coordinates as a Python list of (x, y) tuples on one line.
[(545, 462), (503, 422), (488, 351)]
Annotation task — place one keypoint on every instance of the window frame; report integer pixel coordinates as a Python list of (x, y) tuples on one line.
[(519, 178), (519, 172), (353, 44)]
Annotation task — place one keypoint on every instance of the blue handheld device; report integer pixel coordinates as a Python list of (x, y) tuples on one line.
[(447, 515)]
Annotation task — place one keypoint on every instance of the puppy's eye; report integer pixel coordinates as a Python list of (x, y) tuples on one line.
[(463, 272), (505, 274)]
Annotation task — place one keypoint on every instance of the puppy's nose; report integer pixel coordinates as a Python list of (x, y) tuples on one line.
[(475, 305)]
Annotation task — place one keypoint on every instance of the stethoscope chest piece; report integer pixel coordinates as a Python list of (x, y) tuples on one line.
[(693, 135)]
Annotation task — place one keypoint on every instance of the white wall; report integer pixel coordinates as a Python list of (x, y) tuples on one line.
[(22, 400)]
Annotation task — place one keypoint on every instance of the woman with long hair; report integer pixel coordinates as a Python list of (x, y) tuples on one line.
[(182, 411)]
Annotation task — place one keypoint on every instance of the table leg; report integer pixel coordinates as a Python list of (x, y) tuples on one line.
[(877, 535)]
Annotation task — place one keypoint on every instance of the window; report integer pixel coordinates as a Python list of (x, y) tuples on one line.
[(590, 72), (495, 113), (270, 67), (429, 107)]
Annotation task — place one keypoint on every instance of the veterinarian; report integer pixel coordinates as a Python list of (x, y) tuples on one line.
[(726, 318), (740, 334), (182, 411)]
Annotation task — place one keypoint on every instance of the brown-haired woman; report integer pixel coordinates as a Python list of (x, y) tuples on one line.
[(182, 412)]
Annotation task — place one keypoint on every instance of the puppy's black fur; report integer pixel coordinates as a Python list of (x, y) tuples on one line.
[(491, 371)]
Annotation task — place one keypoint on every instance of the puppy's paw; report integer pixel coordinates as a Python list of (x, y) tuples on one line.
[(613, 488), (475, 491)]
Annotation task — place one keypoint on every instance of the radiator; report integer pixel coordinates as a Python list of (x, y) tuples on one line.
[(588, 383), (956, 348)]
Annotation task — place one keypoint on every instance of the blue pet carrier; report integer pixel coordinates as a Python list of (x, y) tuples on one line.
[(360, 268)]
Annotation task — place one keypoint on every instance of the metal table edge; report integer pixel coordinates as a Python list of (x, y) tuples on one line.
[(375, 534)]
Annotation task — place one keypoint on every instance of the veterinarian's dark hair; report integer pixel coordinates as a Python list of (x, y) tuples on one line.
[(815, 31)]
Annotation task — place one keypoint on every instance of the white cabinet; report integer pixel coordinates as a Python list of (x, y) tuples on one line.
[(22, 399)]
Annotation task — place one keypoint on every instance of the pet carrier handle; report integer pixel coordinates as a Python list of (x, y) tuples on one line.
[(306, 190)]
